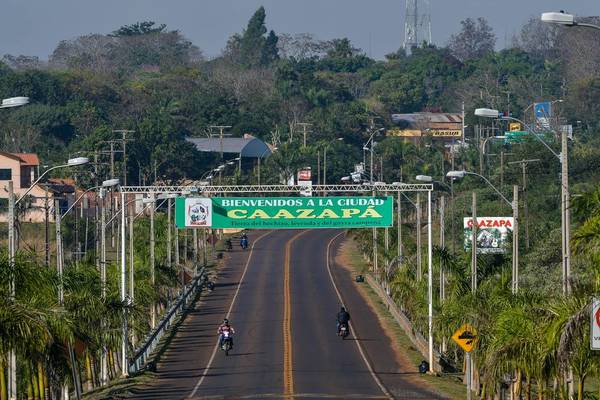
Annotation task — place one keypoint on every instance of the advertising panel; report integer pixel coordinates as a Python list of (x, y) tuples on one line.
[(595, 325), (445, 132), (287, 212), (304, 175), (492, 234)]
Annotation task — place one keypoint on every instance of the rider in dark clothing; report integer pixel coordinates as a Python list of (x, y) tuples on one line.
[(343, 317)]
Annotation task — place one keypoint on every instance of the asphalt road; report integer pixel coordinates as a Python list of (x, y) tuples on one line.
[(281, 299)]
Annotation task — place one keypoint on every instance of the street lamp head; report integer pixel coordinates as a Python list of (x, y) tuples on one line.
[(424, 178), (345, 178), (148, 200), (456, 174), (487, 113), (110, 183), (73, 162), (14, 102), (559, 18), (365, 148)]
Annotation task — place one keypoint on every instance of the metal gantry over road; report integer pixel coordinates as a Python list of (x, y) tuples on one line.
[(215, 191)]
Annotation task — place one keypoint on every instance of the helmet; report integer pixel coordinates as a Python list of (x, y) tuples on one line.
[(226, 321), (343, 309)]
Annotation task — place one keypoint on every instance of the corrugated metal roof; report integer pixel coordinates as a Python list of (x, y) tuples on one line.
[(427, 117), (246, 147)]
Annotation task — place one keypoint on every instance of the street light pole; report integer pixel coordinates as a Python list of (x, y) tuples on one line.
[(430, 280), (124, 298), (565, 195)]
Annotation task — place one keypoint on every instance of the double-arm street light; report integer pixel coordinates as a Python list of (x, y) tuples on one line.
[(429, 271), (565, 195), (59, 244), (12, 202)]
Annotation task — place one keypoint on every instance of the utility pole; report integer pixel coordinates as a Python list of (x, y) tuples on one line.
[(474, 243), (46, 229), (12, 355), (524, 164), (169, 231), (221, 129), (124, 140), (104, 355), (152, 263), (442, 245), (419, 266), (59, 255), (325, 166), (564, 159), (304, 126), (399, 230), (515, 263)]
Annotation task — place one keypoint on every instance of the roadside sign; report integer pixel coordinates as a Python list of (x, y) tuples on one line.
[(307, 188), (514, 126), (515, 136), (492, 234), (542, 109), (466, 337), (595, 325), (304, 174)]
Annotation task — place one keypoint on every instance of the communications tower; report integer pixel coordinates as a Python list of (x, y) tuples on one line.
[(417, 25)]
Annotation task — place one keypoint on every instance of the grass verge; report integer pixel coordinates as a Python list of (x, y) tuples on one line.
[(447, 385)]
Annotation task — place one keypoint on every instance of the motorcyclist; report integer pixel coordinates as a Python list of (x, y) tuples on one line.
[(244, 240), (225, 327), (343, 317)]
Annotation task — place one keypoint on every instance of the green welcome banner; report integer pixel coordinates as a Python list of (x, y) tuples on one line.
[(284, 212)]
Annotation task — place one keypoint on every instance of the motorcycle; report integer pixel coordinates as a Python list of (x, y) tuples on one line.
[(226, 342), (244, 243), (344, 331)]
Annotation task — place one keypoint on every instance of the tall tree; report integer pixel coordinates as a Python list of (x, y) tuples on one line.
[(253, 48), (475, 40)]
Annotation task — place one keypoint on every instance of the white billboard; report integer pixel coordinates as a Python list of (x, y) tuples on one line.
[(492, 234)]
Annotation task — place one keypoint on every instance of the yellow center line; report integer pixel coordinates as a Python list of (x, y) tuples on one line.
[(288, 376)]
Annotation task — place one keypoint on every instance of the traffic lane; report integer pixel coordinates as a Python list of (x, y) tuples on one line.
[(255, 366), (324, 365), (395, 371), (189, 351)]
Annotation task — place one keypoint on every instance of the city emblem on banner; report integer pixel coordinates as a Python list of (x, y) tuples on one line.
[(198, 212)]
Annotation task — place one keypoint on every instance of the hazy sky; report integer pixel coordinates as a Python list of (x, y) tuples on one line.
[(34, 27)]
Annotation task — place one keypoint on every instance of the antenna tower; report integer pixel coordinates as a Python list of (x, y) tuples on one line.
[(417, 25)]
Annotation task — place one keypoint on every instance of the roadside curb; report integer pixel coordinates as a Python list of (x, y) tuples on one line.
[(402, 320)]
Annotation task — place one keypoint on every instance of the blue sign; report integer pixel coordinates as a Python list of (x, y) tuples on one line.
[(543, 109)]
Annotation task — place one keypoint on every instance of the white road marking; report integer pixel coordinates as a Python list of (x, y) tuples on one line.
[(360, 349), (216, 348)]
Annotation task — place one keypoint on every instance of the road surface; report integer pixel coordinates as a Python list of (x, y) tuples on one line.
[(281, 296)]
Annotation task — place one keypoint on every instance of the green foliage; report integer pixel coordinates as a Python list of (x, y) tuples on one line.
[(139, 28)]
